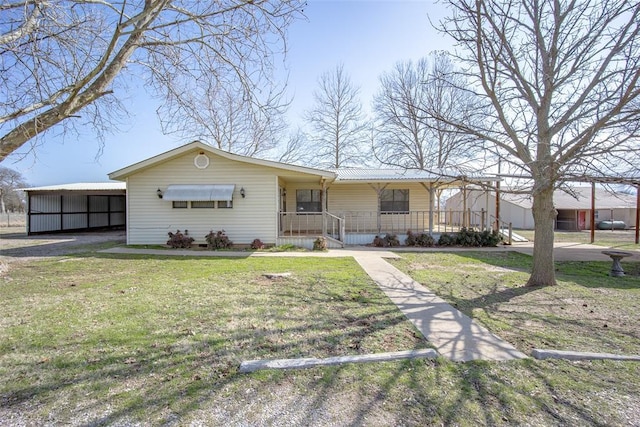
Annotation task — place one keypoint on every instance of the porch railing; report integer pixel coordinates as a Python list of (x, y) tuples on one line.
[(338, 224), (312, 224)]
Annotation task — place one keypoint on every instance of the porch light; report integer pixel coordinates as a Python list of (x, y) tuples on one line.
[(242, 193), (159, 193)]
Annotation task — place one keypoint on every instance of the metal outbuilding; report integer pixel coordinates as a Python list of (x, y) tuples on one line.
[(76, 207)]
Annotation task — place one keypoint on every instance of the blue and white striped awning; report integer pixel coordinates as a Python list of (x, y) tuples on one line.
[(198, 192)]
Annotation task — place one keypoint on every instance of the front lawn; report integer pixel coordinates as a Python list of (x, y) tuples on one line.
[(95, 339)]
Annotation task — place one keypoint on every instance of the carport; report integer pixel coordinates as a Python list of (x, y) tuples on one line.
[(76, 207)]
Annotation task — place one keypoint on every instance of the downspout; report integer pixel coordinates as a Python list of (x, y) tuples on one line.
[(593, 212)]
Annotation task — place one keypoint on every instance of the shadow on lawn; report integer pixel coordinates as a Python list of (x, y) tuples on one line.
[(190, 376), (593, 274), (167, 377), (437, 392)]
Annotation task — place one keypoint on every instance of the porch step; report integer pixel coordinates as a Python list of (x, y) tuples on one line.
[(334, 243), (515, 237)]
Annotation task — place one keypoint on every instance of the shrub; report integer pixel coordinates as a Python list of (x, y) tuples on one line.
[(257, 244), (411, 239), (178, 240), (218, 240), (470, 237), (424, 240), (378, 242), (447, 240), (490, 238), (391, 240), (320, 244)]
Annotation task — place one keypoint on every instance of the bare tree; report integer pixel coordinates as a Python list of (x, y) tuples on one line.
[(338, 121), (407, 133), (66, 58), (297, 150), (10, 183), (560, 83), (226, 118)]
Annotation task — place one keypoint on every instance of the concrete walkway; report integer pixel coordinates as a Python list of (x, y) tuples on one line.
[(455, 335)]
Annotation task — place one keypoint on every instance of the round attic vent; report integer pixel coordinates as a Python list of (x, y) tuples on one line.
[(201, 161)]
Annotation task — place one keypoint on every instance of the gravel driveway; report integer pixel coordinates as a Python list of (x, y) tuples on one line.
[(16, 246)]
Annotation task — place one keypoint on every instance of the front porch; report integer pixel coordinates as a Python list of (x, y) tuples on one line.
[(361, 227)]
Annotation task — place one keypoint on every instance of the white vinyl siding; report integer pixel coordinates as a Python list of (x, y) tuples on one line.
[(363, 197), (252, 217)]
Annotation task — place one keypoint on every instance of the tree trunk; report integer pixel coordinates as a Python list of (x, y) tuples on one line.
[(544, 213)]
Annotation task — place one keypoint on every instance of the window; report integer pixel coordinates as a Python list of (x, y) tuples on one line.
[(394, 201), (225, 204), (179, 204), (209, 204), (308, 201)]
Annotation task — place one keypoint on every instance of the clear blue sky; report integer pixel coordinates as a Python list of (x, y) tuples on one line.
[(367, 36)]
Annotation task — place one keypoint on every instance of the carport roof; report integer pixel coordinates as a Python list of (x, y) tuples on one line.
[(81, 186)]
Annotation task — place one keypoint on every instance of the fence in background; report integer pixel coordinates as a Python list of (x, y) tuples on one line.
[(10, 219)]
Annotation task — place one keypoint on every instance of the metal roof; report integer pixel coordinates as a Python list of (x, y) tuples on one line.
[(563, 200), (357, 174), (81, 186), (604, 199), (198, 192)]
